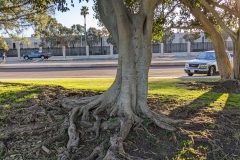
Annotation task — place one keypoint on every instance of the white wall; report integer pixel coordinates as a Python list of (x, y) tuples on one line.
[(34, 43)]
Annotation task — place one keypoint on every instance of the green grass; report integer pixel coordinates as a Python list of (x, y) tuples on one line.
[(12, 92), (167, 91), (17, 91)]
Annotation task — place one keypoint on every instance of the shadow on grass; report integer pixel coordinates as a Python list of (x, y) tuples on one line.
[(212, 123)]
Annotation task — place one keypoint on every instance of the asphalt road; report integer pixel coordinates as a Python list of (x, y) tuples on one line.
[(79, 72)]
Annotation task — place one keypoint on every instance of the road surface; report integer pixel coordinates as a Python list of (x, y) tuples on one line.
[(79, 72)]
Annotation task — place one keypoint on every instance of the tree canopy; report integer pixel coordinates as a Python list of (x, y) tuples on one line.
[(17, 15)]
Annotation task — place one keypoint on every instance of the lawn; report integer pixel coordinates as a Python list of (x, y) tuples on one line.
[(210, 110)]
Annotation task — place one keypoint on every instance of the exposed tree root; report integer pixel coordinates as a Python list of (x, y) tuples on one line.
[(97, 152), (87, 113)]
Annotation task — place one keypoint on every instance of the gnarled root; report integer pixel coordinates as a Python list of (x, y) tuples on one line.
[(90, 117)]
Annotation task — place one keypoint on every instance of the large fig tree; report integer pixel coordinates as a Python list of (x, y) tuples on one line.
[(125, 101)]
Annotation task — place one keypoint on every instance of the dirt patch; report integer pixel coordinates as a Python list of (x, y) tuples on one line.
[(35, 130), (229, 86)]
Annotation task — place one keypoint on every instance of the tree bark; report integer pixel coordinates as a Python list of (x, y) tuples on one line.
[(235, 35), (236, 59), (224, 65), (132, 34), (126, 99)]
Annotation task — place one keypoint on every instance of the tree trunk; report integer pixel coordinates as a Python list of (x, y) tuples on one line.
[(223, 62), (232, 32), (222, 59), (236, 58), (132, 33), (126, 99)]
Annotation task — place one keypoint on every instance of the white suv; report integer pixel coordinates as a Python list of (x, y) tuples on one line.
[(204, 63)]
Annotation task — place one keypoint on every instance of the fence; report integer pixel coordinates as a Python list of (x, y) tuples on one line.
[(110, 51), (175, 47), (77, 51), (99, 50), (53, 51)]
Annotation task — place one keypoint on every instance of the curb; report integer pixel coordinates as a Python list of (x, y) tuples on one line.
[(86, 66)]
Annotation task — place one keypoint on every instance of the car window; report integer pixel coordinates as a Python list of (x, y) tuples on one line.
[(206, 55), (211, 56)]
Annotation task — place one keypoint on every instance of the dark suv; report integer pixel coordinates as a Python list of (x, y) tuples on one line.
[(36, 54)]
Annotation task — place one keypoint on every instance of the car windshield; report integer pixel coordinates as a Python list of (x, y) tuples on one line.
[(207, 56)]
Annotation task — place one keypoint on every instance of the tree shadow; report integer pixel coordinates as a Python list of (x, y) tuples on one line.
[(212, 122)]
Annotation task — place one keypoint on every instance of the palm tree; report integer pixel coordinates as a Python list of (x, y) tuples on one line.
[(84, 12)]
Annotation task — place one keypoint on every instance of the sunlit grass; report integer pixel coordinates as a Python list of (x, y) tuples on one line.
[(219, 103), (17, 91), (100, 84)]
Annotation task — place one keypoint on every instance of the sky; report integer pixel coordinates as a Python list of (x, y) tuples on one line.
[(73, 16)]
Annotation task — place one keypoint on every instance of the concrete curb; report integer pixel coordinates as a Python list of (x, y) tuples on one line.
[(22, 66)]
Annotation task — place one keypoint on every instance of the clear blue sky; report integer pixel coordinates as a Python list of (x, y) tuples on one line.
[(73, 16)]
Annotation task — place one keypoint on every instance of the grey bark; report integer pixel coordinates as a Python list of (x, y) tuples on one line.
[(126, 99), (223, 62), (132, 34), (235, 36)]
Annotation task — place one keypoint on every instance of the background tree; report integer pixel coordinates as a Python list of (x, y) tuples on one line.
[(54, 33), (78, 30), (51, 32), (163, 16), (93, 36), (21, 40), (84, 13), (227, 15), (168, 36), (191, 37), (17, 15), (3, 44), (193, 16)]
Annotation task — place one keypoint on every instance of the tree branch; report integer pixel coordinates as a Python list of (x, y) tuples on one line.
[(108, 16), (148, 5), (4, 8), (221, 23), (226, 8), (200, 27)]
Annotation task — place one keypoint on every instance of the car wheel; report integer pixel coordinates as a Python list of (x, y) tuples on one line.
[(211, 71), (190, 74), (26, 57), (42, 57)]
